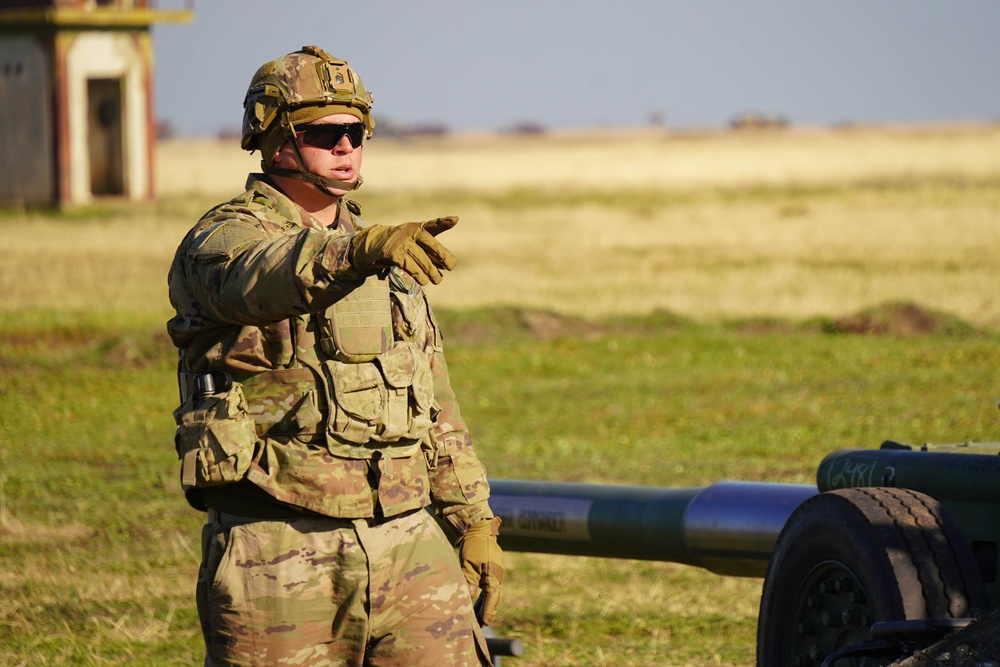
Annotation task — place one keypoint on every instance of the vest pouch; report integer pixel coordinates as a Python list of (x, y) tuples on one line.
[(388, 400), (359, 400), (358, 327), (215, 438), (283, 402), (411, 393)]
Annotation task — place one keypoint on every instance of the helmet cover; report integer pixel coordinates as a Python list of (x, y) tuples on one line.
[(296, 89)]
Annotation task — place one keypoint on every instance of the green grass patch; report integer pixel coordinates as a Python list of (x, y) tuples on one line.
[(98, 550)]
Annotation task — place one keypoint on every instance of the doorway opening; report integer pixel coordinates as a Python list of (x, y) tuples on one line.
[(105, 136)]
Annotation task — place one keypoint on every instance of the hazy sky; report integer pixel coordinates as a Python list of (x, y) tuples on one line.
[(582, 63)]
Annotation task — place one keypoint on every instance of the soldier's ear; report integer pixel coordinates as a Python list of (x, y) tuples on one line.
[(284, 157)]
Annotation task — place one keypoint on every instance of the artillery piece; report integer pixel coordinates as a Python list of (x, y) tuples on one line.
[(891, 550)]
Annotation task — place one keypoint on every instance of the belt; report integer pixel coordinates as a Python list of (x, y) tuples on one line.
[(215, 516)]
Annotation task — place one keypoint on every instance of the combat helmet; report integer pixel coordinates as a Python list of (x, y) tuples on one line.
[(294, 90)]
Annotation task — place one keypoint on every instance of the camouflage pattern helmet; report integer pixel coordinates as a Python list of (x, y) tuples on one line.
[(297, 89)]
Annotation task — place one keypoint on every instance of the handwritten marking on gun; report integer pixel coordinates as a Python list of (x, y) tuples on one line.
[(851, 473)]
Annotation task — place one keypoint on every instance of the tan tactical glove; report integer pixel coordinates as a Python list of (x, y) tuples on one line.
[(482, 563), (410, 246)]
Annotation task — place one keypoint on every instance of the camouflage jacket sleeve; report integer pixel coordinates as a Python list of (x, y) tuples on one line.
[(242, 272), (459, 489)]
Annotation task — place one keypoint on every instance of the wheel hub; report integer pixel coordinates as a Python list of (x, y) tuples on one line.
[(831, 612)]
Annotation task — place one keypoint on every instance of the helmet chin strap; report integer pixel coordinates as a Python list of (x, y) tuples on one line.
[(302, 173), (321, 182)]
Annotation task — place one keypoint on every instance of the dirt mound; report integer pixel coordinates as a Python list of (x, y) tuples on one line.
[(546, 326), (493, 326), (498, 325), (898, 319)]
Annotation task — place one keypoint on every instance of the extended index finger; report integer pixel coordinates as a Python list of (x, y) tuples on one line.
[(439, 225)]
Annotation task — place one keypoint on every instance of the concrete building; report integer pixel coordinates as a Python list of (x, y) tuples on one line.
[(76, 101)]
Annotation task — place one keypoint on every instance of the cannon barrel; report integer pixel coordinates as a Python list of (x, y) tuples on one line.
[(728, 528)]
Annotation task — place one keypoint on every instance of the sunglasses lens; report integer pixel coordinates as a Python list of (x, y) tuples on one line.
[(328, 135), (356, 133)]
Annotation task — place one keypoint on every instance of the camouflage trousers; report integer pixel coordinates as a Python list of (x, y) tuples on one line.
[(335, 592)]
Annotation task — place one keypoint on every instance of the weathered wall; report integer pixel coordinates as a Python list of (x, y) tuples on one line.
[(26, 160)]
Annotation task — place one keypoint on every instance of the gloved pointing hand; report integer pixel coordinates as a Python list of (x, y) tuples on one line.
[(482, 564), (410, 246)]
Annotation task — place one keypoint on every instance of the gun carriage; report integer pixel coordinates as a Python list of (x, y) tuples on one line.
[(892, 549)]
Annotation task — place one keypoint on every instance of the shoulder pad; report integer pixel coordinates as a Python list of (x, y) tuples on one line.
[(244, 198), (225, 237)]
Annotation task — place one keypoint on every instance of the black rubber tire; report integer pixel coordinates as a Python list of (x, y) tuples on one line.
[(848, 558)]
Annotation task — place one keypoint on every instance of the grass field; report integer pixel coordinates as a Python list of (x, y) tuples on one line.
[(637, 309)]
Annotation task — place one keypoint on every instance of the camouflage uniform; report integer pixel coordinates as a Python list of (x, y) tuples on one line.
[(330, 426)]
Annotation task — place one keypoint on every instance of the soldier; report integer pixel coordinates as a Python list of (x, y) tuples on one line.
[(317, 422)]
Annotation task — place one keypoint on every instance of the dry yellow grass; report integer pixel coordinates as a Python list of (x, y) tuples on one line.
[(788, 224), (616, 159), (714, 259)]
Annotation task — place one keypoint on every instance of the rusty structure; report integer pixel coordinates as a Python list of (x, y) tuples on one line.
[(76, 99)]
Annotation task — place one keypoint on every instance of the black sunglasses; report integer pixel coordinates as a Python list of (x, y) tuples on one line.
[(328, 135)]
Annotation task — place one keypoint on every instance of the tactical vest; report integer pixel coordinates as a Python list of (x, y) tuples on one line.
[(351, 384), (371, 394)]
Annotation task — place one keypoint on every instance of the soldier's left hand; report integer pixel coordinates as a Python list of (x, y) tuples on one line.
[(482, 564)]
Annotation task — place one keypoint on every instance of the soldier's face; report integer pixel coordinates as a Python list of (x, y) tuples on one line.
[(342, 161)]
